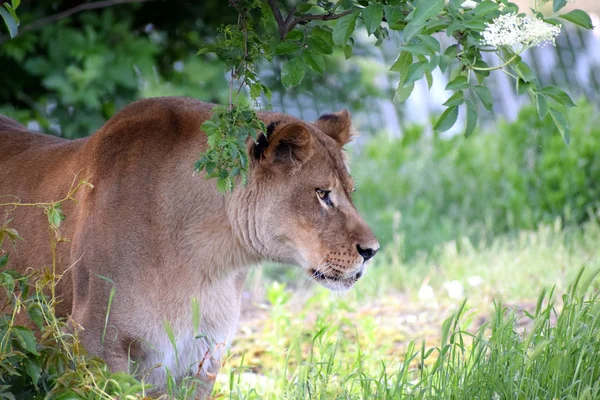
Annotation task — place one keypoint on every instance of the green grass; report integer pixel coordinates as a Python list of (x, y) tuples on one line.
[(555, 356), (379, 342)]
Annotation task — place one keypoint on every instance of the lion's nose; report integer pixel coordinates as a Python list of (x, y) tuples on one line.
[(366, 253)]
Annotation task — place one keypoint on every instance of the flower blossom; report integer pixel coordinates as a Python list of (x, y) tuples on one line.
[(512, 30), (455, 289)]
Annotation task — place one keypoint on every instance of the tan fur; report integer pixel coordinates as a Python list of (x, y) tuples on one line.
[(164, 236)]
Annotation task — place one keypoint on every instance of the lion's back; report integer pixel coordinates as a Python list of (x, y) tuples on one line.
[(27, 157), (16, 139)]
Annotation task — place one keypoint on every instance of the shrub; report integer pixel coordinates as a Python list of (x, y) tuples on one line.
[(516, 177)]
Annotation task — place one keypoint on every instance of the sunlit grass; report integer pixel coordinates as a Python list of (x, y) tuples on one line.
[(527, 330)]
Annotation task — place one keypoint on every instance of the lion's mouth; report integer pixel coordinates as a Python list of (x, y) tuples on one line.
[(335, 282)]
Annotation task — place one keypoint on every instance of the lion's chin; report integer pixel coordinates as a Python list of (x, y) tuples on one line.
[(335, 284)]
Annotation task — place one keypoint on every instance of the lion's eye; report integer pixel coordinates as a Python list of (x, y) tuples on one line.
[(324, 196)]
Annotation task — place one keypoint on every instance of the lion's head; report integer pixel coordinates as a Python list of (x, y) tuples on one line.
[(299, 200)]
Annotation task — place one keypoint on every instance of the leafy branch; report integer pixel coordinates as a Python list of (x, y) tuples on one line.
[(53, 209), (475, 27), (287, 24), (227, 131)]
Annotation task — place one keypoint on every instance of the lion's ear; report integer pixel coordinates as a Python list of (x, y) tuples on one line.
[(337, 126), (289, 144)]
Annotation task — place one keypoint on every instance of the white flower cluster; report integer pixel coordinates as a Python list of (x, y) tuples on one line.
[(514, 31)]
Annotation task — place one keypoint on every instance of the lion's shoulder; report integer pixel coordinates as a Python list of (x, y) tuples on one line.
[(159, 112)]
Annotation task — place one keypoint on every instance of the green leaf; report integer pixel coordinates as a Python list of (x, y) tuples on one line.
[(471, 118), (323, 33), (320, 45), (3, 260), (435, 25), (303, 8), (33, 370), (394, 15), (255, 90), (287, 47), (579, 17), (55, 215), (7, 281), (415, 72), (562, 124), (316, 62), (347, 51), (484, 95), (558, 95), (485, 7), (430, 42), (541, 104), (522, 86), (16, 3), (447, 119), (295, 35), (292, 73), (558, 4), (455, 27), (224, 185), (26, 339), (448, 57), (424, 10), (451, 51), (12, 12), (475, 24), (456, 99), (417, 49), (68, 395), (11, 23), (460, 82), (402, 63), (403, 92), (479, 73), (372, 16), (34, 311), (524, 71), (344, 28)]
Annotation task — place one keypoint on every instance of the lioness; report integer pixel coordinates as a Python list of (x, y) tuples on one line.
[(164, 237)]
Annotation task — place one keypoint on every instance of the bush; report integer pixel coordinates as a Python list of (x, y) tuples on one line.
[(516, 177)]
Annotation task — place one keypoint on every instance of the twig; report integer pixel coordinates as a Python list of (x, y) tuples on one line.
[(290, 22), (278, 17), (318, 17), (67, 13)]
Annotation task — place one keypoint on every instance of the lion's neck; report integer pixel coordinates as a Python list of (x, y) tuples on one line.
[(211, 247)]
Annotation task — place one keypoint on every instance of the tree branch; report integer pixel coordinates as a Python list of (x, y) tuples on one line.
[(67, 13), (318, 17), (278, 17), (290, 22)]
